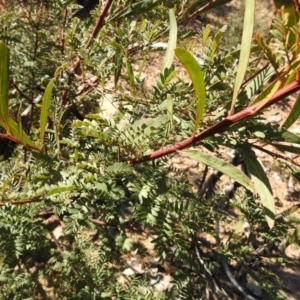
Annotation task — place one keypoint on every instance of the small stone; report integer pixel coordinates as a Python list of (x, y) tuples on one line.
[(278, 202), (253, 286), (292, 252), (153, 271), (128, 271), (231, 153), (276, 177), (275, 118), (291, 183), (162, 282), (126, 211), (133, 267), (58, 232), (295, 130), (136, 269)]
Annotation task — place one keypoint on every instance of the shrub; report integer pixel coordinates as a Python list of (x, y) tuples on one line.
[(92, 151)]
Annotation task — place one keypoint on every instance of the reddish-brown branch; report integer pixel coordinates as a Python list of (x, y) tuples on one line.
[(99, 23), (18, 141), (221, 126), (98, 26), (62, 33)]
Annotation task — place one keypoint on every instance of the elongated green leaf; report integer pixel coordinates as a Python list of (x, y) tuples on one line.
[(216, 41), (118, 62), (196, 75), (267, 93), (168, 104), (62, 189), (291, 137), (294, 237), (15, 132), (293, 116), (245, 48), (224, 167), (4, 84), (22, 136), (286, 148), (206, 35), (261, 183), (130, 74), (60, 69), (44, 110), (20, 129), (135, 9), (268, 51), (168, 60)]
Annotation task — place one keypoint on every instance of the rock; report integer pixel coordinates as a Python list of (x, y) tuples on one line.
[(134, 267), (293, 252), (275, 118), (291, 184), (108, 107), (276, 177), (128, 271), (253, 286), (162, 282), (126, 211), (278, 202), (295, 130)]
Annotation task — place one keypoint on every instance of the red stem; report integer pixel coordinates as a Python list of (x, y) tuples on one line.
[(221, 126), (98, 26)]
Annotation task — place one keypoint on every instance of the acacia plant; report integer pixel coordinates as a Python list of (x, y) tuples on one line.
[(87, 147)]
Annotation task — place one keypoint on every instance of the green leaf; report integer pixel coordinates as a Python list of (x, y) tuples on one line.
[(130, 74), (169, 77), (135, 9), (205, 35), (268, 51), (196, 75), (216, 41), (168, 60), (118, 62), (291, 137), (60, 69), (267, 93), (44, 110), (226, 168), (62, 189), (286, 148), (20, 129), (245, 48), (294, 237), (4, 85), (128, 243), (168, 104), (261, 182), (22, 136), (293, 116)]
